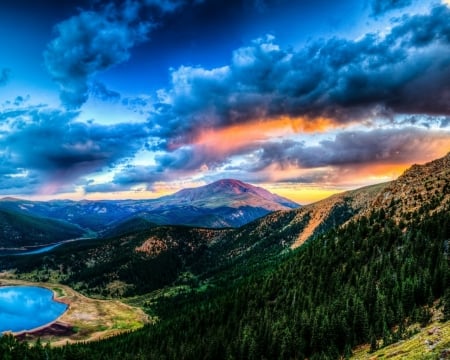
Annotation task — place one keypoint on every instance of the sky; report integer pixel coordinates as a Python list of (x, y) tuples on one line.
[(140, 98)]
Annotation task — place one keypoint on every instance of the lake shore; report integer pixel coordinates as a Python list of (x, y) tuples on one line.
[(85, 319), (43, 326)]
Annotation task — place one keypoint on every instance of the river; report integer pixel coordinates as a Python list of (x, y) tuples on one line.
[(32, 250)]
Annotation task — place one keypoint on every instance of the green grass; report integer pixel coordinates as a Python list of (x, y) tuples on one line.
[(428, 343)]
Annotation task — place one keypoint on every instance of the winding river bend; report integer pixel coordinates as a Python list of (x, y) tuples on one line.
[(32, 250), (27, 307)]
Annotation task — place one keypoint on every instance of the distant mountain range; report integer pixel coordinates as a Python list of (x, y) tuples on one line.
[(426, 187), (225, 203)]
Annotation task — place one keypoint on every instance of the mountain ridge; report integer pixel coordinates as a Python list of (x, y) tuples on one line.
[(230, 187), (375, 264), (224, 203), (20, 230)]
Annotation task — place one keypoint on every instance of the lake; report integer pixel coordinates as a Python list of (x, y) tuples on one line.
[(27, 307)]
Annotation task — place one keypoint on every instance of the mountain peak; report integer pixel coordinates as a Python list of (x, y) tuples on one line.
[(231, 185), (421, 186), (232, 191), (433, 166)]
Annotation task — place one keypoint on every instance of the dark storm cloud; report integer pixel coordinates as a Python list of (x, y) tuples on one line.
[(380, 7), (405, 72), (139, 174), (175, 164), (96, 40), (5, 75), (423, 30), (191, 159), (50, 143), (356, 148)]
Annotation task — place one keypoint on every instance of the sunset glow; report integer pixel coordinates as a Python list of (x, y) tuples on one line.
[(117, 100)]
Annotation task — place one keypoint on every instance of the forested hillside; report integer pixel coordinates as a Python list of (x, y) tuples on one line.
[(96, 267), (367, 282), (375, 280), (17, 230)]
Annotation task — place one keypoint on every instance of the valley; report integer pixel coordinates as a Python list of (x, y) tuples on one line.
[(352, 274), (224, 180)]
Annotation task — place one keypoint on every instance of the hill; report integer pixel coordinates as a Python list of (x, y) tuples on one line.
[(374, 278), (202, 252), (177, 250), (19, 230)]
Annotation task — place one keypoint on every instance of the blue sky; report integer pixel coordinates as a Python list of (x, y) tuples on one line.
[(139, 98)]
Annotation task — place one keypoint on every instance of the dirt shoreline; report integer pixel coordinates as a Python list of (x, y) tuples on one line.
[(85, 319), (42, 327)]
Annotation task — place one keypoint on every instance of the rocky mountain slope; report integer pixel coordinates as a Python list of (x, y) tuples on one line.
[(324, 215), (424, 188)]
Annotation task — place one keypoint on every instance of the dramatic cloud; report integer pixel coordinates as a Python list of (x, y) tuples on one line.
[(342, 81), (59, 149), (330, 110), (357, 148), (345, 159), (380, 7), (145, 176), (5, 75), (94, 41)]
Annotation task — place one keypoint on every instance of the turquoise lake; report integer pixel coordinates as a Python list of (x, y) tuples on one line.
[(27, 307)]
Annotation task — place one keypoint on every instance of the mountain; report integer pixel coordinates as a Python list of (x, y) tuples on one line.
[(225, 203), (92, 215), (199, 250), (139, 244), (374, 268), (424, 188), (19, 230), (420, 190), (231, 193)]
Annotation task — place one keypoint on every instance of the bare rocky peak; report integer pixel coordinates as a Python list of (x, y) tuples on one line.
[(416, 188)]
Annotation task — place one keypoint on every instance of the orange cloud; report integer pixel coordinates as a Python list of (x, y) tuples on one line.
[(226, 140)]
